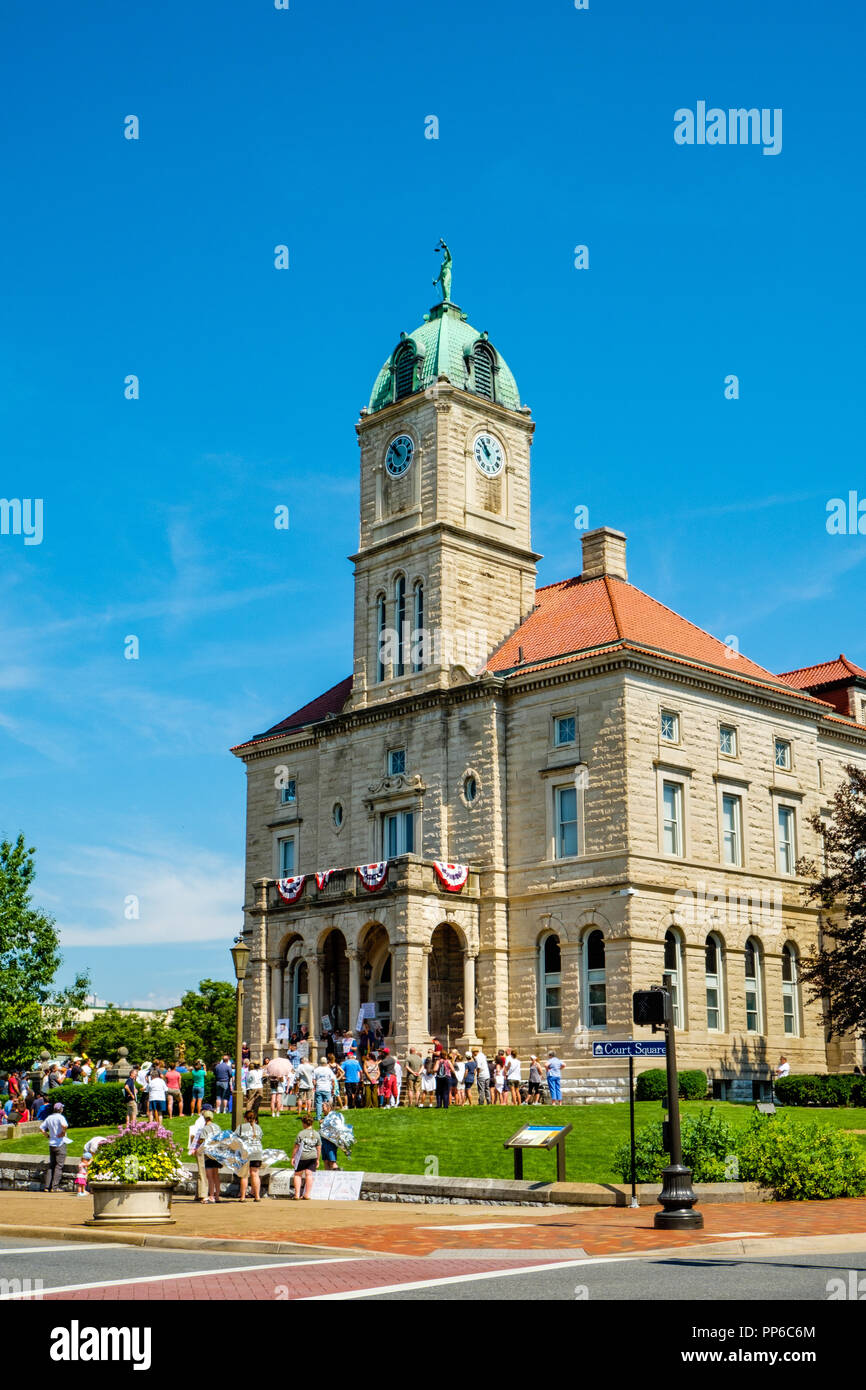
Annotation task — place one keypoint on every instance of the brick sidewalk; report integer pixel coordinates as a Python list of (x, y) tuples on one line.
[(418, 1230)]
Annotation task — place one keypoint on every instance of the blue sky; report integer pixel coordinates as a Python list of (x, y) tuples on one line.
[(156, 257)]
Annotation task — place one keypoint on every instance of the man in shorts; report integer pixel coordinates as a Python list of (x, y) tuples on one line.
[(223, 1077), (130, 1095), (414, 1063), (553, 1066)]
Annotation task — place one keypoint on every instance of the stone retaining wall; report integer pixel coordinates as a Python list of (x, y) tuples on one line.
[(26, 1172)]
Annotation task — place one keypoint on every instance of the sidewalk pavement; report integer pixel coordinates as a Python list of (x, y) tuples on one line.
[(387, 1228)]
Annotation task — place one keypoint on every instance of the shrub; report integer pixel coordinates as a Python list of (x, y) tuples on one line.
[(90, 1106), (653, 1084), (821, 1090), (137, 1153), (801, 1161), (692, 1084), (708, 1142)]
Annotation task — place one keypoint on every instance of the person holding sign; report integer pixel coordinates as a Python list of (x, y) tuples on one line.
[(305, 1156)]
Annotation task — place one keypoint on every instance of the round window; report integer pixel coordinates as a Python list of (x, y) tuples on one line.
[(470, 788), (338, 815)]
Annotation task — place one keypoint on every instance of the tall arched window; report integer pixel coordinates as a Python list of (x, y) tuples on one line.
[(752, 966), (381, 618), (713, 971), (790, 992), (404, 371), (674, 970), (419, 640), (482, 363), (400, 624), (595, 984), (549, 984)]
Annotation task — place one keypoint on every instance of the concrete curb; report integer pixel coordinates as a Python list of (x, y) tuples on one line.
[(757, 1245), (91, 1235)]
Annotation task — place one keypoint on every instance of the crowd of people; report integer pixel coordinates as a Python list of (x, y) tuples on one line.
[(348, 1073)]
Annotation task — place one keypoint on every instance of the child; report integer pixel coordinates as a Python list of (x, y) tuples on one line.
[(81, 1178)]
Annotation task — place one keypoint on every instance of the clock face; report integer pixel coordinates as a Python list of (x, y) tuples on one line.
[(488, 454), (400, 453)]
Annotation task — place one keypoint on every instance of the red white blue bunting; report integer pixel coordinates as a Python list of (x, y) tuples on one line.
[(291, 888), (373, 875), (322, 877), (451, 876)]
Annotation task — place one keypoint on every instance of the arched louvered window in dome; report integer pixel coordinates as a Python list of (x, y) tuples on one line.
[(482, 362), (404, 371)]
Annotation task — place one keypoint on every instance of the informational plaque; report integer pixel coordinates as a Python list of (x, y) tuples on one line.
[(539, 1137)]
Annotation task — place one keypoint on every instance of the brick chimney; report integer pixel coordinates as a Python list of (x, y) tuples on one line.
[(604, 553)]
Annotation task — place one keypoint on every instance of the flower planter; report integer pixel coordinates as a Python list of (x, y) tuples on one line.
[(132, 1203)]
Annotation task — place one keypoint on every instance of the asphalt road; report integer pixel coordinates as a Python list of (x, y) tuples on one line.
[(169, 1274)]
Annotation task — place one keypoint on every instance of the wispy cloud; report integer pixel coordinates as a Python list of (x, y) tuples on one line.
[(184, 893)]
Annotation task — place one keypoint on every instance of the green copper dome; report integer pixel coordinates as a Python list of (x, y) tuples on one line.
[(445, 345)]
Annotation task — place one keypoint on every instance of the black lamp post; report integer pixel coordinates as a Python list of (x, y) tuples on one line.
[(677, 1196), (240, 957)]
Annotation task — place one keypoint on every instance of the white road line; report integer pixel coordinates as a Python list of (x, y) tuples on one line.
[(466, 1278), (184, 1274), (44, 1249), (483, 1226)]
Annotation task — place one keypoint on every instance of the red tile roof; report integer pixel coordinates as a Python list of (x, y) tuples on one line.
[(579, 616), (825, 673), (331, 702)]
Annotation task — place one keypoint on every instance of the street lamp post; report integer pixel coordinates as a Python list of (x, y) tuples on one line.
[(677, 1197), (240, 956)]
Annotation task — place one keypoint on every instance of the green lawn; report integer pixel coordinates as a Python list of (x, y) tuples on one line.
[(467, 1141)]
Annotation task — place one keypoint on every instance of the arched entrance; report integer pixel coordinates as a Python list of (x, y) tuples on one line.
[(376, 967), (335, 980), (445, 1012)]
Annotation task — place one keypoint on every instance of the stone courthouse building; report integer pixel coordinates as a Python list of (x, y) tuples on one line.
[(624, 795)]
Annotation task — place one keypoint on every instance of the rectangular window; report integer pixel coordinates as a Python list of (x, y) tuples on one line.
[(396, 762), (398, 834), (728, 741), (787, 851), (788, 1011), (751, 1007), (563, 731), (597, 1003), (783, 753), (287, 858), (552, 1006), (288, 793), (672, 829), (566, 822), (732, 818), (670, 726), (712, 1007)]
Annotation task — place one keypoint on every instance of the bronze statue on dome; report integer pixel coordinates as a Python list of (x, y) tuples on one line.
[(444, 276)]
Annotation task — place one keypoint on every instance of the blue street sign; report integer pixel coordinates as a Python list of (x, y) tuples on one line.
[(630, 1048)]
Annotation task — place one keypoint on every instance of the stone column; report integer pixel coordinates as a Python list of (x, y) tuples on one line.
[(314, 990), (469, 1038), (409, 994), (274, 1003), (354, 958)]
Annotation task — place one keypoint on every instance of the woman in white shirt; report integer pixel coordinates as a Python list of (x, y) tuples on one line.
[(460, 1072), (513, 1076)]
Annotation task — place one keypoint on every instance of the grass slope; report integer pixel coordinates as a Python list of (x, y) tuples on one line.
[(467, 1141)]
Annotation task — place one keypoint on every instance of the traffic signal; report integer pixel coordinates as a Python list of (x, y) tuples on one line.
[(651, 1006)]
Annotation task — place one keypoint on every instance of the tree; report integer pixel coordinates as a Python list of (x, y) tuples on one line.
[(206, 1020), (144, 1037), (836, 971), (31, 1010)]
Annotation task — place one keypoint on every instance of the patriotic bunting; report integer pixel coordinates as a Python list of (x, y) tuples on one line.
[(373, 875), (291, 888), (322, 878), (451, 876)]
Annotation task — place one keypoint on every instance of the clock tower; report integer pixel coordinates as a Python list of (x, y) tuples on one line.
[(445, 568)]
